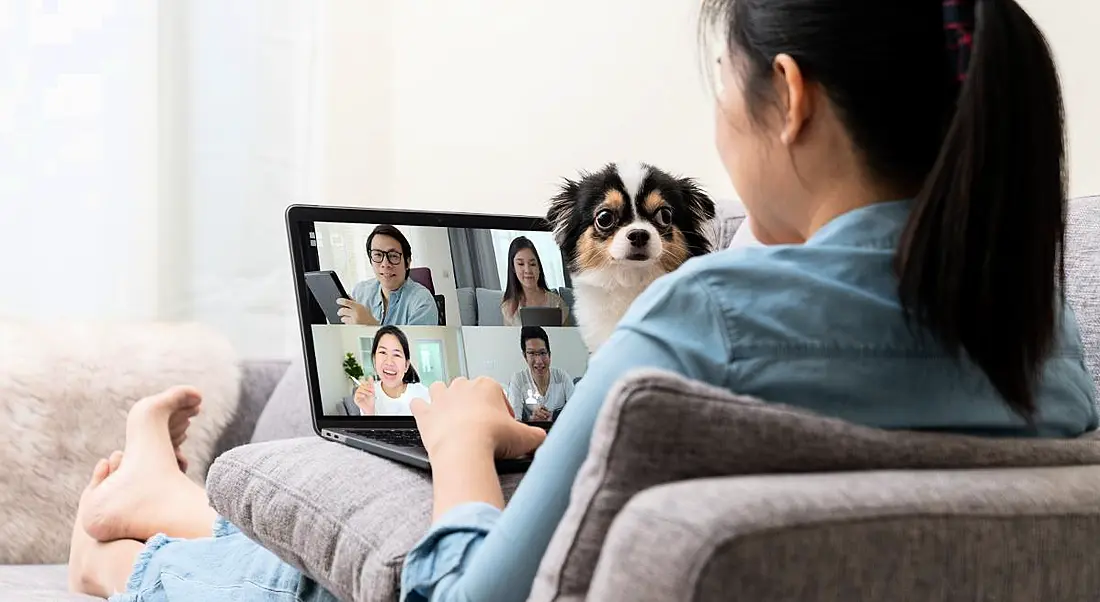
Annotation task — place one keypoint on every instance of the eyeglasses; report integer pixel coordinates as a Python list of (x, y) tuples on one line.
[(541, 353), (394, 257)]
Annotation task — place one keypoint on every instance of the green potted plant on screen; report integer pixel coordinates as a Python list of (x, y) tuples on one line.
[(353, 369)]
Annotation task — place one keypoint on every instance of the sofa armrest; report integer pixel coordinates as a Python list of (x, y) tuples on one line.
[(657, 428), (1009, 534), (258, 381)]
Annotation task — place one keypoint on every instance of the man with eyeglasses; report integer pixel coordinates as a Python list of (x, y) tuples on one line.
[(539, 389), (391, 298)]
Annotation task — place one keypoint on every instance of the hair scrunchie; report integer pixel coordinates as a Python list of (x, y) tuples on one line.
[(958, 25)]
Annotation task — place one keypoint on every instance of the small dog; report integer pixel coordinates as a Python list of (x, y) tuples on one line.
[(620, 229)]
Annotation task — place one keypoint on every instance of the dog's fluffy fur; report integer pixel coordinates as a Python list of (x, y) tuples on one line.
[(621, 228)]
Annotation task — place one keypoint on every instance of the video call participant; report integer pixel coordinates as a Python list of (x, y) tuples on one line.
[(391, 298), (537, 391), (527, 283), (398, 383)]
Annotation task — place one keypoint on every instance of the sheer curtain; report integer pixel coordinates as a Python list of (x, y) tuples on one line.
[(342, 249), (78, 159), (474, 255), (148, 151), (247, 72)]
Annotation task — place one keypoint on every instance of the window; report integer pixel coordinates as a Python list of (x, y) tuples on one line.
[(365, 344), (343, 249), (429, 361)]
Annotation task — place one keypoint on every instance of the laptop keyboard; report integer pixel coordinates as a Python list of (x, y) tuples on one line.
[(397, 437)]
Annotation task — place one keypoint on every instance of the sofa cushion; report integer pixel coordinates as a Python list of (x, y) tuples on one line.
[(658, 428), (1010, 534), (488, 307), (344, 517), (287, 414), (729, 216), (38, 583), (1083, 275), (467, 306), (259, 379), (566, 294)]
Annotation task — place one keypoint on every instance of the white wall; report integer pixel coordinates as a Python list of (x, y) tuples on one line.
[(355, 135), (493, 101), (488, 104), (1071, 27), (493, 351)]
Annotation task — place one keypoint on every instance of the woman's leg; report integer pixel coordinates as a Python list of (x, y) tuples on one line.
[(148, 493), (99, 569)]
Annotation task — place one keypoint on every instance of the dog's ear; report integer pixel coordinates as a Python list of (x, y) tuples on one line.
[(561, 208), (697, 200)]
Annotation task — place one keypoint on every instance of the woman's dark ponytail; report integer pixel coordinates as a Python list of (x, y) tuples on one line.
[(980, 261), (410, 375)]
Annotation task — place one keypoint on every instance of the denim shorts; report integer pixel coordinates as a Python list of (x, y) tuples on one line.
[(226, 566)]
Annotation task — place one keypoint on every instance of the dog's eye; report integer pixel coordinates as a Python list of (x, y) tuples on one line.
[(605, 219), (663, 217)]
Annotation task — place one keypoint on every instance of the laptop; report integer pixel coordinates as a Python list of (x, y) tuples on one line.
[(540, 316), (442, 318)]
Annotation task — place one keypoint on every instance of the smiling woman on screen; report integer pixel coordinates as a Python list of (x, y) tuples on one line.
[(396, 382), (527, 283)]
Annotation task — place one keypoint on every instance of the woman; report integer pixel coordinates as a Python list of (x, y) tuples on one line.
[(397, 382), (940, 310), (527, 283), (391, 298)]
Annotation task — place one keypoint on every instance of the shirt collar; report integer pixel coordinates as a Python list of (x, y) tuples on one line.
[(393, 294), (878, 225)]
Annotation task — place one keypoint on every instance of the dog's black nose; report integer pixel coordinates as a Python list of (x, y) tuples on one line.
[(638, 238)]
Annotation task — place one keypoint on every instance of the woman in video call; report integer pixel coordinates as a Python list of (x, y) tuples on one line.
[(899, 191), (391, 297), (539, 389), (527, 283), (397, 382)]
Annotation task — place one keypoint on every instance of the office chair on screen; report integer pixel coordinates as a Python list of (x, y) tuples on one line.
[(423, 277)]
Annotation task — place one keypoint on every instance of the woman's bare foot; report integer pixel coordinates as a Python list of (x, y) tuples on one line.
[(82, 544), (95, 568), (148, 494), (177, 430)]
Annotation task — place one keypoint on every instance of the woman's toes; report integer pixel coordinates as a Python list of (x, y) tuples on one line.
[(114, 461), (100, 472)]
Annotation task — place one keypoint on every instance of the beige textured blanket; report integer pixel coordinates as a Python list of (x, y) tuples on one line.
[(64, 393)]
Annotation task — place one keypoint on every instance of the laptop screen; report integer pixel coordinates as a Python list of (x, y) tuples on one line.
[(396, 308)]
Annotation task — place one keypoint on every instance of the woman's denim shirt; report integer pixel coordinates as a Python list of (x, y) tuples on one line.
[(817, 325)]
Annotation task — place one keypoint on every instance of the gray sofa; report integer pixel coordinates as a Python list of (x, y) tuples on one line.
[(694, 493)]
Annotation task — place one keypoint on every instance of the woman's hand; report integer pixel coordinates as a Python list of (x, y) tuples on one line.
[(541, 414), (364, 398), (473, 415), (351, 312)]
